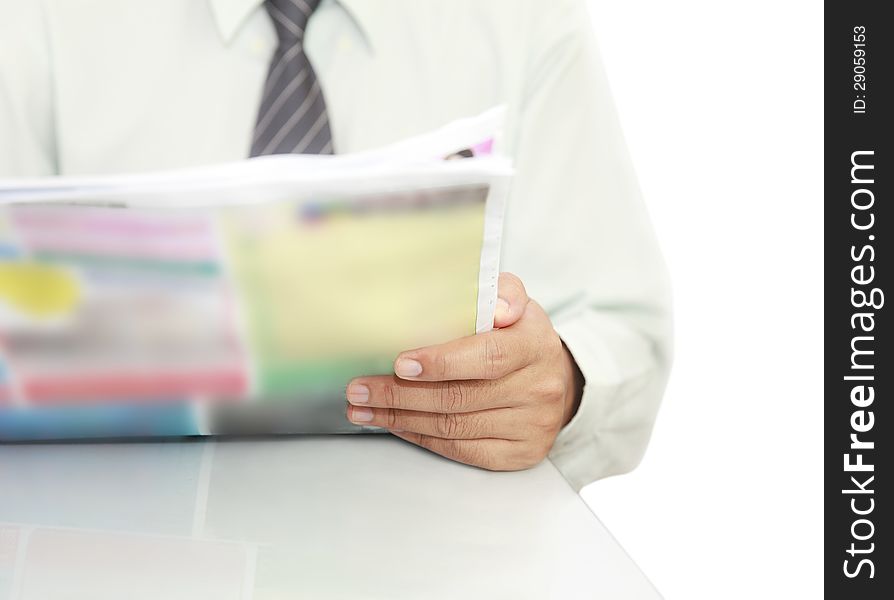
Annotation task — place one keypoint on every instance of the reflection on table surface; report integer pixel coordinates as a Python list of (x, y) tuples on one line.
[(333, 517)]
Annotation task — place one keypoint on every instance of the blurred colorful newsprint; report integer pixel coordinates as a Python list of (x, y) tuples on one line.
[(240, 299)]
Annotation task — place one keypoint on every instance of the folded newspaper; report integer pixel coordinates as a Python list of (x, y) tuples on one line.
[(240, 298)]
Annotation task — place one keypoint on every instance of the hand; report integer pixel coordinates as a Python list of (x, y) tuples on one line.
[(495, 400)]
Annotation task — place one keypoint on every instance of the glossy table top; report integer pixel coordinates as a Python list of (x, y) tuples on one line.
[(364, 516)]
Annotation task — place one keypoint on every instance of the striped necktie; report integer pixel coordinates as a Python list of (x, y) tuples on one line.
[(292, 118)]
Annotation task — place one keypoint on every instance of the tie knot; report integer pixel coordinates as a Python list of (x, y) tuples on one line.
[(290, 17)]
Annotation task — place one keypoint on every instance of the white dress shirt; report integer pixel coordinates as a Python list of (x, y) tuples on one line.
[(106, 86)]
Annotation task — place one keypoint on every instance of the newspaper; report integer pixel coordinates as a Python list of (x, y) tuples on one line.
[(240, 298)]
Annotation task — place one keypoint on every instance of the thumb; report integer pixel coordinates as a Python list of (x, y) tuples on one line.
[(511, 300)]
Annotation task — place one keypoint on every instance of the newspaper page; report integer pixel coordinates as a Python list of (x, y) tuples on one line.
[(239, 299)]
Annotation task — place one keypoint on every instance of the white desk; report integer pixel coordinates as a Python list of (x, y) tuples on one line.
[(334, 517)]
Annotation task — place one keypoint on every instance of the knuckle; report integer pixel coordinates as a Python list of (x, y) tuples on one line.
[(392, 419), (546, 422), (390, 396), (443, 362), (453, 397), (494, 356), (550, 389), (479, 456), (427, 442), (449, 426), (475, 426)]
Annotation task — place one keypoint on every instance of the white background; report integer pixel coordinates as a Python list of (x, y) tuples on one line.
[(723, 110)]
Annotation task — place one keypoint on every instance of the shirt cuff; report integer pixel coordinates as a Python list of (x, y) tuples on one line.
[(623, 384)]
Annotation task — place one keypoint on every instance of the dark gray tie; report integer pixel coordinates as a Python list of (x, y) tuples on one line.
[(292, 118)]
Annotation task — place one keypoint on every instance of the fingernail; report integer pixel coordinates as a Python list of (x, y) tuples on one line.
[(407, 367), (361, 414), (358, 394)]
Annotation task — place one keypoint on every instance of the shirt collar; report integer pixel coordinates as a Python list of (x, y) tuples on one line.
[(231, 14)]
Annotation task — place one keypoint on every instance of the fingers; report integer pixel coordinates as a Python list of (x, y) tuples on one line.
[(511, 301), (501, 423), (493, 454), (448, 397), (489, 355)]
